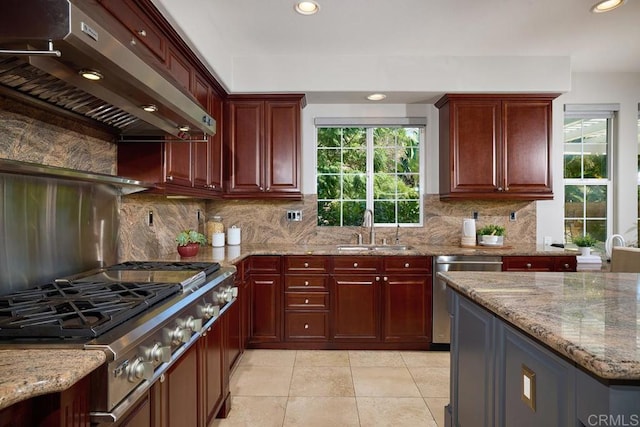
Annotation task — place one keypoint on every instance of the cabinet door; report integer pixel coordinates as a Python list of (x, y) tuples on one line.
[(244, 127), (265, 313), (140, 416), (355, 308), (211, 365), (181, 401), (233, 343), (526, 130), (282, 147), (407, 308), (474, 146), (472, 364), (215, 143)]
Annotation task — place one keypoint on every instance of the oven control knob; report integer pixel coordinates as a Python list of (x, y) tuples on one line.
[(210, 310), (158, 353), (139, 370), (194, 324), (229, 294), (180, 335)]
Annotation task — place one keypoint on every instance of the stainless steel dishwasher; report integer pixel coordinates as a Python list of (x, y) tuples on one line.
[(441, 331)]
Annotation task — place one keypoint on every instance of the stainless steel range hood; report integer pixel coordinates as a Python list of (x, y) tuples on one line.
[(48, 28)]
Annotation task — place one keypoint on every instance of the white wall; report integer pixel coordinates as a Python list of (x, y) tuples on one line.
[(594, 88), (622, 88)]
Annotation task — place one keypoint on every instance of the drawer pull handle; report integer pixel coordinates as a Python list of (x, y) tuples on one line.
[(306, 300), (306, 283), (528, 265), (306, 326), (406, 265), (142, 33), (566, 266), (355, 265), (306, 265)]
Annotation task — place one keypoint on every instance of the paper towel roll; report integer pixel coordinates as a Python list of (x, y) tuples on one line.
[(233, 235), (217, 240)]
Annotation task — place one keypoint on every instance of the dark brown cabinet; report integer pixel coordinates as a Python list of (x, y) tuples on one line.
[(406, 285), (266, 297), (306, 298), (495, 146), (539, 263), (212, 372), (263, 146)]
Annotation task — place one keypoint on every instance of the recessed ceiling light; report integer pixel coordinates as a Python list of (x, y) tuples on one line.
[(606, 5), (376, 97), (91, 74), (150, 108), (306, 7)]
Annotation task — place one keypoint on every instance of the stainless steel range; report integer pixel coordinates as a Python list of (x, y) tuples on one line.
[(143, 315)]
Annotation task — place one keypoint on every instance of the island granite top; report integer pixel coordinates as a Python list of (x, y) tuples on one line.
[(593, 319)]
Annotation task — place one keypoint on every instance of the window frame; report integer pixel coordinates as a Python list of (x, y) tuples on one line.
[(369, 124)]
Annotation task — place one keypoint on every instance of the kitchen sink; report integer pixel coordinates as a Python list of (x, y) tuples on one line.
[(373, 247)]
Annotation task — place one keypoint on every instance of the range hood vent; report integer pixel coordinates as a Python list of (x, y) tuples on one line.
[(34, 32)]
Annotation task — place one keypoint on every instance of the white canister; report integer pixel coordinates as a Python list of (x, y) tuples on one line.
[(217, 240), (233, 235)]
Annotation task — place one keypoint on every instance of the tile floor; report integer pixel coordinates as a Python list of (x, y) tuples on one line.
[(339, 388)]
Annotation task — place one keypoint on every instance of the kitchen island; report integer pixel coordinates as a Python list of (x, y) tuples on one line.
[(544, 348)]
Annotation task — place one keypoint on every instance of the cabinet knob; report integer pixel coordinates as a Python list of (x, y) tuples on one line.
[(306, 326), (377, 278), (528, 265), (506, 188), (306, 265), (268, 188), (133, 42), (500, 189), (169, 178), (142, 33), (306, 283), (355, 265), (406, 265), (385, 278), (306, 300), (261, 188), (566, 266)]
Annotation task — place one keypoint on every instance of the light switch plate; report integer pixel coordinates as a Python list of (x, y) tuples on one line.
[(528, 387), (294, 215)]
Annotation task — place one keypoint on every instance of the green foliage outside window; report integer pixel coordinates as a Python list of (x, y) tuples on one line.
[(343, 176)]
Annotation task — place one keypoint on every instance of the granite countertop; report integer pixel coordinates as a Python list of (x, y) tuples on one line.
[(590, 318), (229, 255), (28, 373)]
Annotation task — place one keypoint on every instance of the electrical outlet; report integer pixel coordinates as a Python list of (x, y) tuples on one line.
[(512, 216), (294, 215), (150, 219), (475, 215)]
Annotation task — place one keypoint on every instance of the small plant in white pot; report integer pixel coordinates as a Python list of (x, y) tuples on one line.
[(585, 243), (491, 235)]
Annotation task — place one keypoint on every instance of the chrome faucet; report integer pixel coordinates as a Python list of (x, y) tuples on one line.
[(368, 222)]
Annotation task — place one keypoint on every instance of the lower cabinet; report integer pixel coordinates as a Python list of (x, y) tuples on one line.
[(539, 263), (356, 302), (265, 283)]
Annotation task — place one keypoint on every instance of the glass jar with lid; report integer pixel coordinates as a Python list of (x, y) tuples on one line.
[(214, 225)]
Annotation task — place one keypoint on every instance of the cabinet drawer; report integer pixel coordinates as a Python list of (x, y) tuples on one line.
[(306, 300), (306, 264), (306, 283), (368, 264), (524, 263), (306, 325), (565, 263), (412, 264), (140, 26), (265, 264)]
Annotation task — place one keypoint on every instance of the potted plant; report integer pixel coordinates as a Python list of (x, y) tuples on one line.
[(189, 242), (585, 243), (491, 234)]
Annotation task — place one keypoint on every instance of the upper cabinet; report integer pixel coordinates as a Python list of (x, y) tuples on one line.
[(495, 146), (262, 142)]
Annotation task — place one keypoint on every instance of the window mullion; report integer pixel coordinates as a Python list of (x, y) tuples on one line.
[(370, 168)]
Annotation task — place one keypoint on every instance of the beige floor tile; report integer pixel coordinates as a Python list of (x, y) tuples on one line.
[(254, 411), (375, 358), (436, 406), (432, 382), (321, 412), (384, 381), (394, 411), (321, 381), (331, 358), (427, 359), (261, 381), (268, 358)]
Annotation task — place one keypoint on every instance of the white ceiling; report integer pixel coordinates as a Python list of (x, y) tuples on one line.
[(230, 35)]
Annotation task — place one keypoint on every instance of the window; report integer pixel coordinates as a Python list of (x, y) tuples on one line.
[(368, 167), (638, 222), (587, 178)]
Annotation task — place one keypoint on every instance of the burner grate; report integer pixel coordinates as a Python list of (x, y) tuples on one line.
[(207, 267)]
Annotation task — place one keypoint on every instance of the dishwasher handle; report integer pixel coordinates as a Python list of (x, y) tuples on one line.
[(470, 262)]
